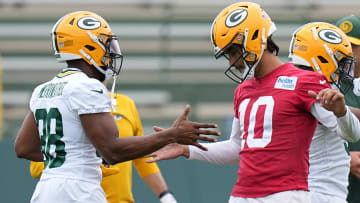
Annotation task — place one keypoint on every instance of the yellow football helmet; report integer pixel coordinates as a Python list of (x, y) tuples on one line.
[(244, 24), (324, 48), (86, 35)]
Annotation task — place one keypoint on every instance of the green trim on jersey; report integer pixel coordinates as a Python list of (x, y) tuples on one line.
[(66, 72)]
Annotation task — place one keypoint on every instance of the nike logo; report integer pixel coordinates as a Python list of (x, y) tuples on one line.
[(322, 82), (98, 91)]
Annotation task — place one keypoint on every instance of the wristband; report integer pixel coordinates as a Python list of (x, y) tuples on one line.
[(167, 197)]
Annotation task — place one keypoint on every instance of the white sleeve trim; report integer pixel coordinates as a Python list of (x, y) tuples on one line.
[(223, 153), (347, 127)]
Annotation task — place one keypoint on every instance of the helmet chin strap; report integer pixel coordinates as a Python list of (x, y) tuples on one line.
[(113, 101), (251, 71)]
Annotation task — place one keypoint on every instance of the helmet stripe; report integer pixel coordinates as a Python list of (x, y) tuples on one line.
[(54, 35)]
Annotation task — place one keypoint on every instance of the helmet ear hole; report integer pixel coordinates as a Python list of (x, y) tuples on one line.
[(255, 35), (72, 21), (90, 48), (322, 59)]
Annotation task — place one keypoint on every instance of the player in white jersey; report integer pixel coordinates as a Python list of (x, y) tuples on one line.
[(318, 47), (70, 119)]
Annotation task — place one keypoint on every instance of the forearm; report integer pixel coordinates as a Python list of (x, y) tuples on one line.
[(156, 182), (33, 156), (223, 153), (355, 163), (127, 148), (27, 143), (349, 127)]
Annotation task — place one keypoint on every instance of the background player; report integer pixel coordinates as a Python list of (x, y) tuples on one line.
[(275, 117), (70, 119), (324, 48), (351, 26)]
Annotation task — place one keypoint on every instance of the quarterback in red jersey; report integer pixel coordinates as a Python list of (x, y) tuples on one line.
[(277, 127), (276, 108)]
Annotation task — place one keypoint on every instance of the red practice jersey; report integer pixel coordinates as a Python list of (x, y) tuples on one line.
[(276, 127)]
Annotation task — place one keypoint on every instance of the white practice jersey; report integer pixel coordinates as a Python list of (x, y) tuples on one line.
[(329, 163), (57, 105)]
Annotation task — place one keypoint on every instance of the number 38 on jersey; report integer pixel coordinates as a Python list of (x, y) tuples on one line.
[(51, 131)]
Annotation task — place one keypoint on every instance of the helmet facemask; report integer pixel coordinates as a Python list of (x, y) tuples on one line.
[(326, 49), (247, 25), (112, 57), (249, 60), (86, 35), (344, 72)]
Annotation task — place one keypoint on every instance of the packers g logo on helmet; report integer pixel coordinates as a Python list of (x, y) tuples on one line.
[(236, 17), (330, 36), (89, 23), (325, 49), (346, 26), (86, 35), (246, 26)]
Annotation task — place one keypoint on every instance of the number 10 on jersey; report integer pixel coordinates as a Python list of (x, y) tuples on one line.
[(265, 139)]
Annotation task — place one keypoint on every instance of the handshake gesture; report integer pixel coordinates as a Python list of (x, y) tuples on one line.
[(188, 133)]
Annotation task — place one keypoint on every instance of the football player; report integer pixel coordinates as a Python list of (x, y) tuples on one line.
[(351, 27), (70, 119), (324, 48), (117, 179), (276, 108)]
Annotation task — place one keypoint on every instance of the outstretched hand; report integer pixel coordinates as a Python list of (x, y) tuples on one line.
[(170, 151), (188, 132), (331, 100)]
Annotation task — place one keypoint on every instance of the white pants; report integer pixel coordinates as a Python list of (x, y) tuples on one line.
[(292, 196), (322, 198), (60, 190)]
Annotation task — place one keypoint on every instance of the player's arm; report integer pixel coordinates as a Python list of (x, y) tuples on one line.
[(27, 143), (355, 155), (224, 153), (355, 111), (344, 123), (151, 174), (103, 133), (157, 183), (355, 163)]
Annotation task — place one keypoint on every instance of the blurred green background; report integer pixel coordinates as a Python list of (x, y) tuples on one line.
[(168, 63)]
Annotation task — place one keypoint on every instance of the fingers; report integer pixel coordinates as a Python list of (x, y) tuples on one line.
[(326, 96), (154, 159), (205, 125), (186, 113), (312, 94), (209, 132), (150, 155), (329, 96), (200, 146), (208, 139), (157, 129), (336, 97)]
